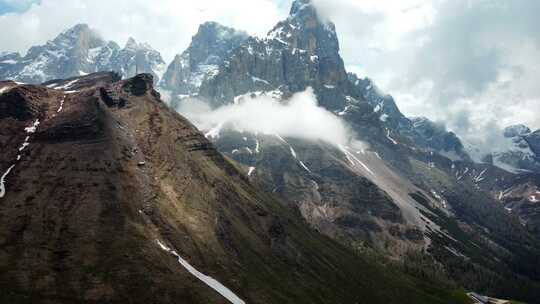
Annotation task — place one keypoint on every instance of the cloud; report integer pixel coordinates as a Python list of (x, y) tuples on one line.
[(298, 117), (167, 25), (471, 64)]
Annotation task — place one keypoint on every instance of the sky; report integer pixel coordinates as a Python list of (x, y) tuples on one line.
[(472, 65)]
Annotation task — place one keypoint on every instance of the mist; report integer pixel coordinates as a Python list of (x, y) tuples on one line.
[(298, 117)]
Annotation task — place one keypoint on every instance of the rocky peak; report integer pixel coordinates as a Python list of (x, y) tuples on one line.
[(304, 30), (139, 84), (79, 36), (131, 44), (208, 48), (299, 5), (212, 42), (299, 52), (516, 130)]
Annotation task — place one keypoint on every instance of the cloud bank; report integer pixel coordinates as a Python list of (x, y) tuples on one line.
[(298, 117)]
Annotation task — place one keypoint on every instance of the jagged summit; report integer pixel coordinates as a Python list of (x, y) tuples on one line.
[(208, 49), (80, 35), (304, 30), (77, 29), (77, 51), (516, 130), (297, 5), (131, 43)]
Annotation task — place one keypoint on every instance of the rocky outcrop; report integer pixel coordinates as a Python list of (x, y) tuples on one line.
[(533, 140), (21, 102)]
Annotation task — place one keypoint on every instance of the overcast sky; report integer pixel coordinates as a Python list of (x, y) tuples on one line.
[(472, 64)]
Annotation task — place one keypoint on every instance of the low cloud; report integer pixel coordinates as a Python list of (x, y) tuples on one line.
[(298, 117)]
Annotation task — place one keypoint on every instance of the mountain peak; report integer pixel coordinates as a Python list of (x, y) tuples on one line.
[(516, 130), (131, 43), (299, 5), (78, 31), (212, 30), (77, 28), (305, 30)]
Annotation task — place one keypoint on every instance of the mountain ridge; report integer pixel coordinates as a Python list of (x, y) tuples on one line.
[(124, 189)]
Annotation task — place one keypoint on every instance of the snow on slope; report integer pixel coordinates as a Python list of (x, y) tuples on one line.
[(211, 282), (29, 130)]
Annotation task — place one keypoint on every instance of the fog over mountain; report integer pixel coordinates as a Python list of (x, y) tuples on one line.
[(299, 117)]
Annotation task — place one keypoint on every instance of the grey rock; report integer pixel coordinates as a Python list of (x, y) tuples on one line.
[(201, 59)]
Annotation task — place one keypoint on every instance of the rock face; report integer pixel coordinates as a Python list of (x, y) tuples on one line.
[(428, 134), (111, 189), (80, 51), (208, 49), (533, 140), (299, 52)]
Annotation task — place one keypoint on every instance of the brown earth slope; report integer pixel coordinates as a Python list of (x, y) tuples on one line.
[(109, 171)]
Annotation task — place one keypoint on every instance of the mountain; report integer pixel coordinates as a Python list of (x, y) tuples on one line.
[(107, 196), (521, 151), (80, 51), (420, 130), (410, 190), (200, 60), (404, 191)]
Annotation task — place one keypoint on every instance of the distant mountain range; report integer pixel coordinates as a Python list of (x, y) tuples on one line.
[(80, 51), (415, 193)]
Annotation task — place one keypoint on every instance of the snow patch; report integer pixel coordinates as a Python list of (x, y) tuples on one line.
[(61, 107), (293, 152), (351, 158), (26, 143), (3, 181), (390, 138), (67, 85), (209, 281), (251, 170), (257, 146), (257, 79), (304, 166), (4, 89)]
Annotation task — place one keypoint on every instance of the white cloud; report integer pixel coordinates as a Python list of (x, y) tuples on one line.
[(298, 117), (166, 24)]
